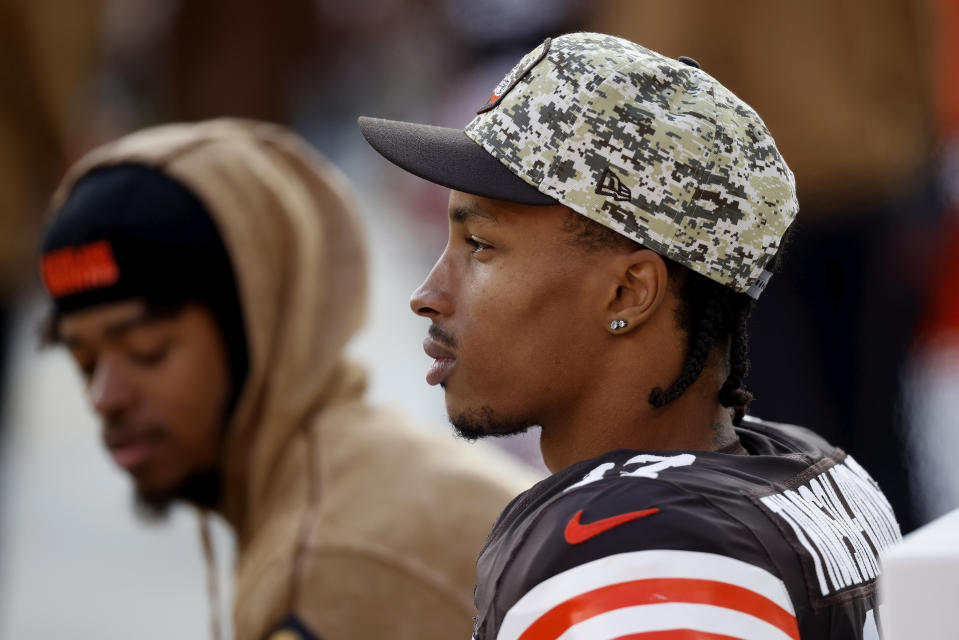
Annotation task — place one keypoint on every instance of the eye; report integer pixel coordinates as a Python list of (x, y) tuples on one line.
[(477, 245), (150, 357)]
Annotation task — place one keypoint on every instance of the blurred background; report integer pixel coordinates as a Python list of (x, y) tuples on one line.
[(857, 337)]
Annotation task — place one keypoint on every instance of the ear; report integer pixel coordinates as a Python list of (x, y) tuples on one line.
[(641, 287)]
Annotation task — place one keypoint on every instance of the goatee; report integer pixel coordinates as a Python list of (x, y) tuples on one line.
[(201, 489), (484, 423)]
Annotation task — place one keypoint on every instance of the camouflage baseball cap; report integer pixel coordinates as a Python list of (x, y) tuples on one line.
[(653, 148)]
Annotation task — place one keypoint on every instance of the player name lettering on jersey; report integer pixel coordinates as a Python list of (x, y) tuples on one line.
[(843, 520)]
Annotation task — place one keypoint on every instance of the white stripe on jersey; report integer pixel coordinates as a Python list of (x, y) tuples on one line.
[(664, 617), (640, 565)]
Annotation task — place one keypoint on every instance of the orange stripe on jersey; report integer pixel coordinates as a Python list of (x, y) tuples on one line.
[(557, 620), (76, 269), (677, 634)]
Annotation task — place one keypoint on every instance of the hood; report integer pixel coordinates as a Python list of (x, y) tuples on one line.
[(292, 230)]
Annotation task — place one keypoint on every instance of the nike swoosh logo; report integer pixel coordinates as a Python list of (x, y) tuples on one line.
[(577, 532)]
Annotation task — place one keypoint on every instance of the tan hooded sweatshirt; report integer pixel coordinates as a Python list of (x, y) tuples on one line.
[(345, 515)]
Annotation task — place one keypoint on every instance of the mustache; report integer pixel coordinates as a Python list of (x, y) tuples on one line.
[(114, 429), (123, 424), (444, 338)]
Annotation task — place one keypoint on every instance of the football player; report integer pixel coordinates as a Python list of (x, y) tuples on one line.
[(614, 215)]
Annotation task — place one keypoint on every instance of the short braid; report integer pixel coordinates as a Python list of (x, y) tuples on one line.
[(701, 341), (733, 394)]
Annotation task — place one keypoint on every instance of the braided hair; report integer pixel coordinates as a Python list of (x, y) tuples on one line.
[(709, 313)]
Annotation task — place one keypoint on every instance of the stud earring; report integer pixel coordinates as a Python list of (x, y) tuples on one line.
[(617, 324)]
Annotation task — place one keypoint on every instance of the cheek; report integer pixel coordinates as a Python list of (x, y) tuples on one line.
[(193, 393), (522, 326), (498, 317)]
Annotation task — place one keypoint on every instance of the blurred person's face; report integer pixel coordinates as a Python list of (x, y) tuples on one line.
[(514, 308), (160, 384)]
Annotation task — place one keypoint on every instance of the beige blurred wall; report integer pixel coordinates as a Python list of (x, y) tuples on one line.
[(48, 55), (845, 86)]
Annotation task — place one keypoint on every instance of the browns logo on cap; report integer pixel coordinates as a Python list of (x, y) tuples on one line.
[(73, 270)]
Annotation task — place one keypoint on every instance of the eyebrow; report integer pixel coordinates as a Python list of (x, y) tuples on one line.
[(463, 214), (116, 328)]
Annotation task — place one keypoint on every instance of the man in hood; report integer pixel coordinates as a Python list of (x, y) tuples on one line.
[(205, 278), (614, 214)]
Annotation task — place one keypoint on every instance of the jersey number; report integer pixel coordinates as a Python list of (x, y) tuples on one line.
[(651, 467)]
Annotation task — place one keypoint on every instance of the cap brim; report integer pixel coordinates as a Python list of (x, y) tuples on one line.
[(449, 158)]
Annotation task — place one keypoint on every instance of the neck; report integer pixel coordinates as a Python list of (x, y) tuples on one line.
[(620, 417)]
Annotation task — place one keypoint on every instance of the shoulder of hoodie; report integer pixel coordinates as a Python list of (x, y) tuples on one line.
[(400, 490), (394, 452), (359, 593)]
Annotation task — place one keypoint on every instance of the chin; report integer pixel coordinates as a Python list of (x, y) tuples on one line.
[(152, 505), (201, 488), (484, 422)]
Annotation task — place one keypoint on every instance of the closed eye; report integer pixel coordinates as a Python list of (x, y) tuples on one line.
[(151, 357)]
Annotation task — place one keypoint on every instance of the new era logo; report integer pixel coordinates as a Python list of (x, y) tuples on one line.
[(611, 185)]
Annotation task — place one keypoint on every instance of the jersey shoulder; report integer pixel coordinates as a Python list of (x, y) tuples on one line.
[(765, 437), (786, 537), (606, 543), (636, 501)]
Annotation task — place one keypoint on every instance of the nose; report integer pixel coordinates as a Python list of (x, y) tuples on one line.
[(110, 392), (432, 299)]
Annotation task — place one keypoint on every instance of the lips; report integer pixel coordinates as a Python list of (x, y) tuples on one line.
[(443, 362), (130, 449)]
